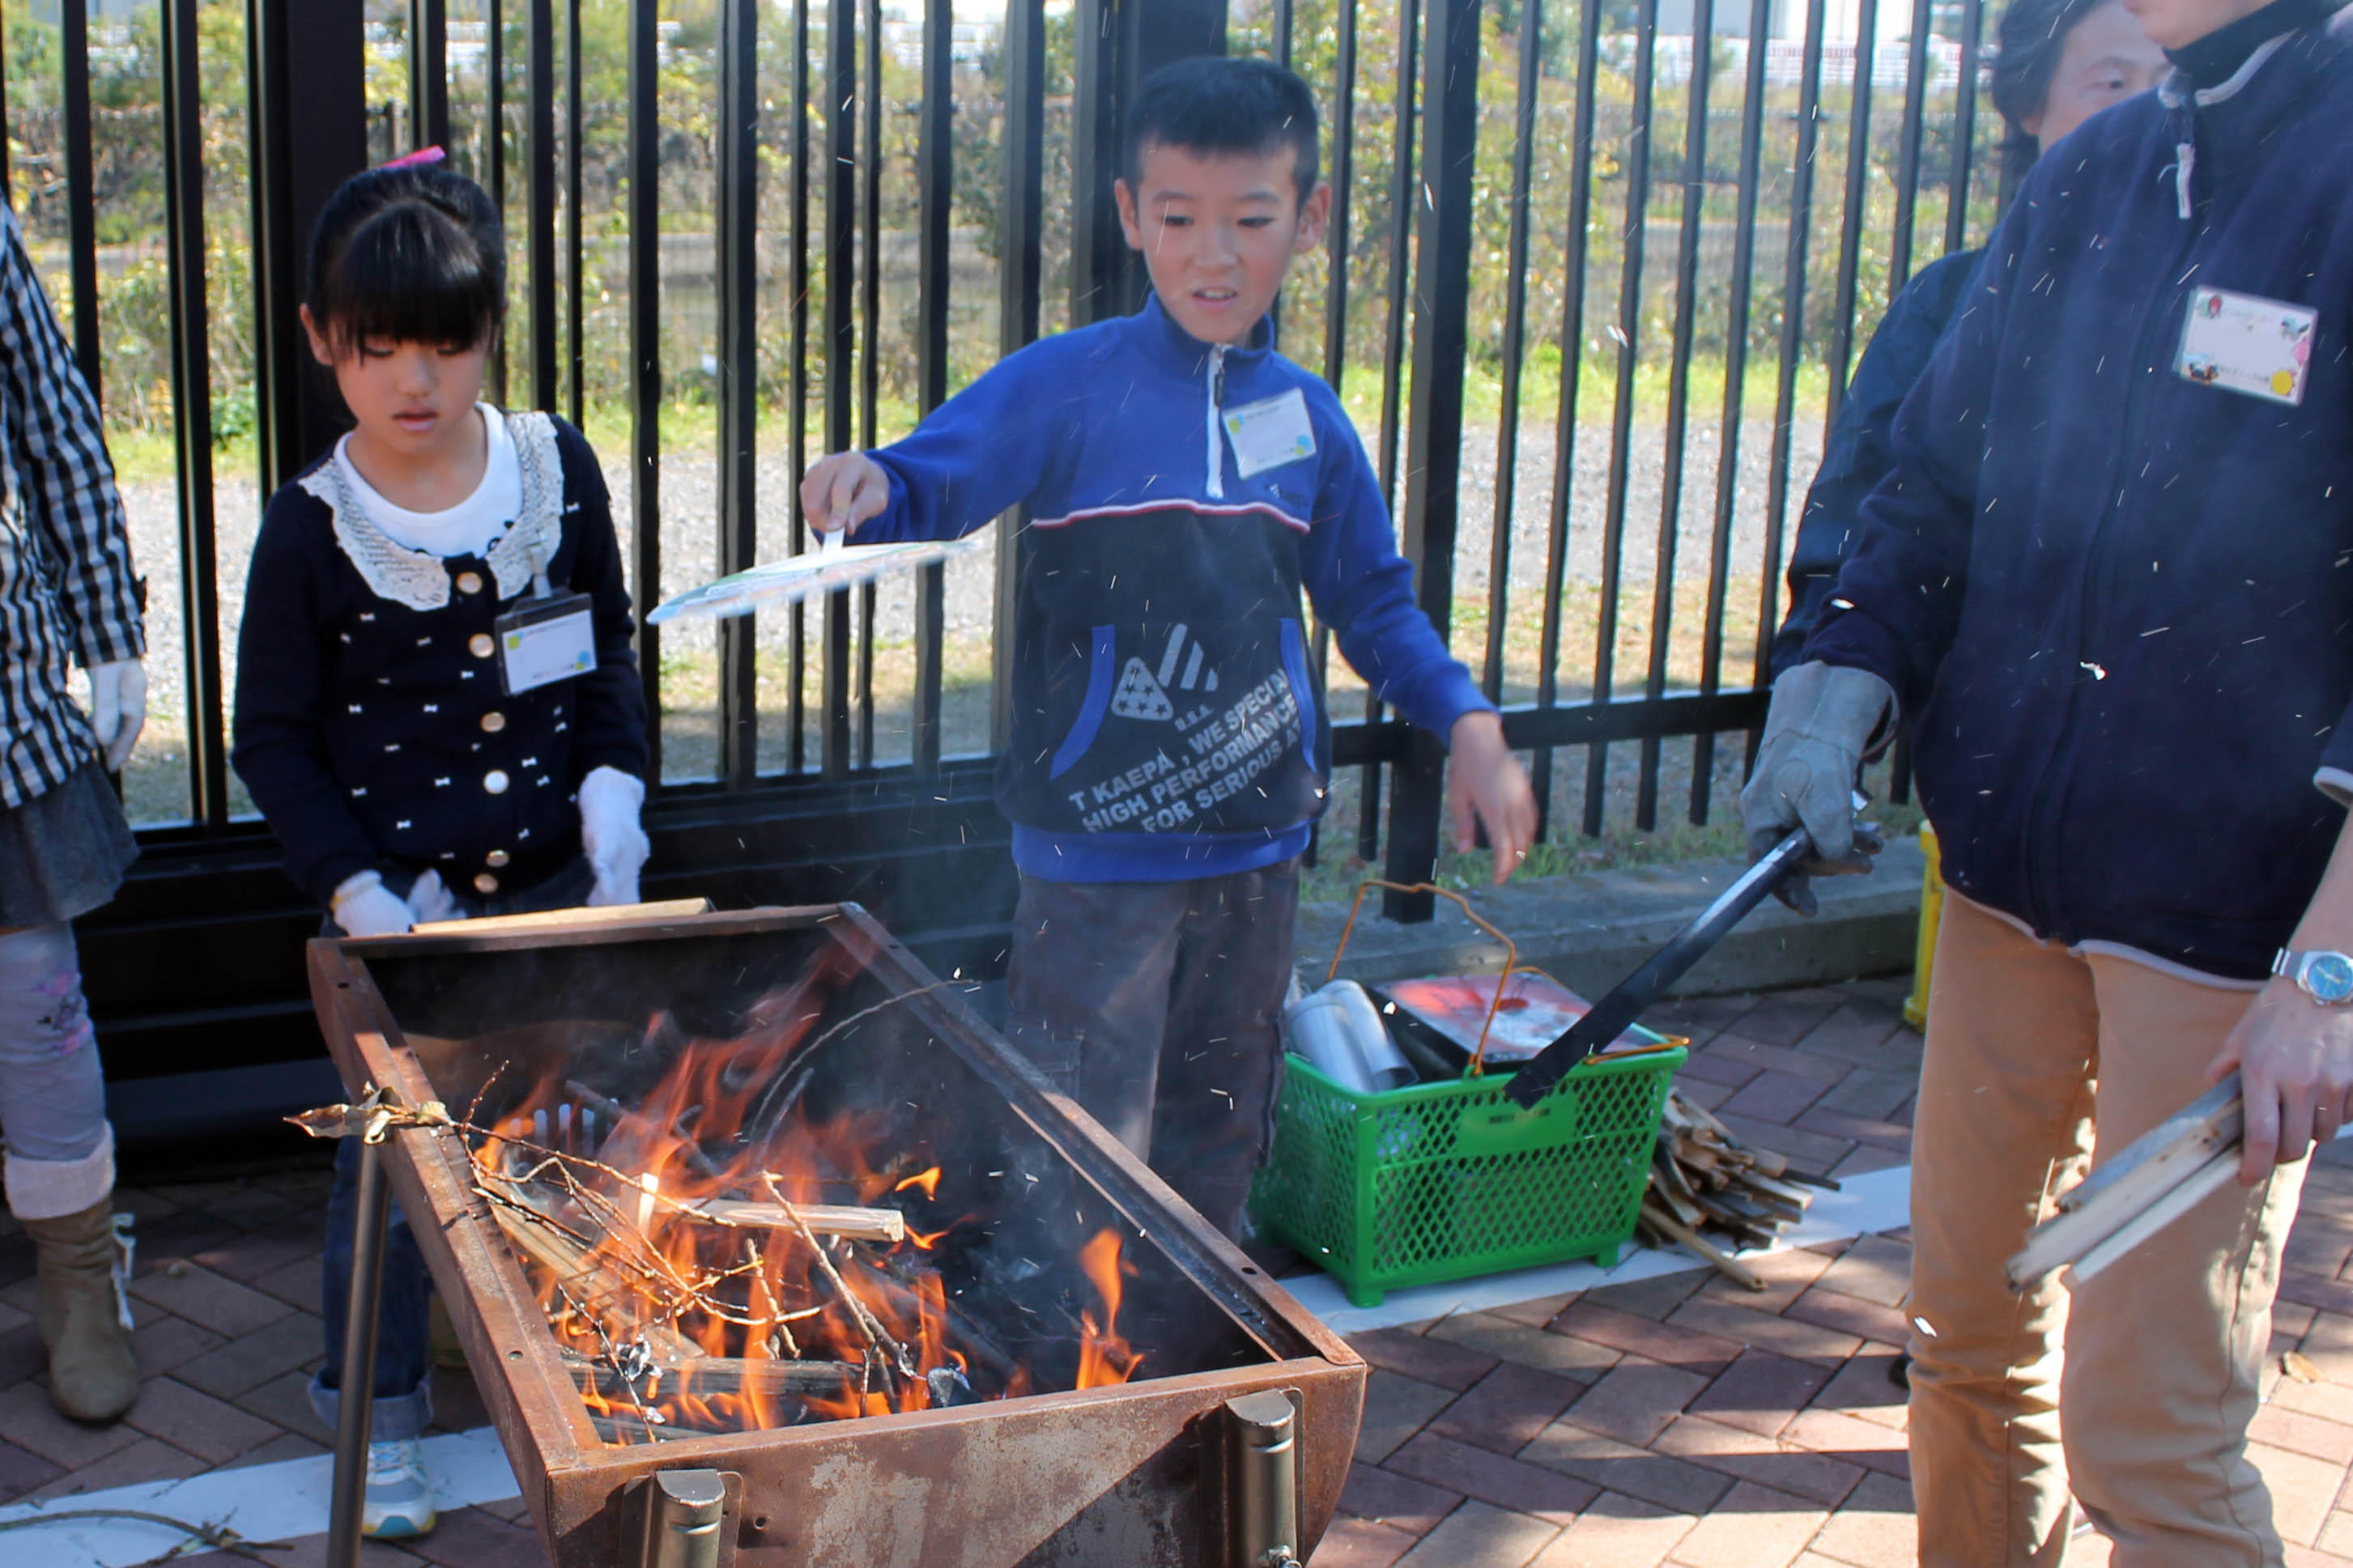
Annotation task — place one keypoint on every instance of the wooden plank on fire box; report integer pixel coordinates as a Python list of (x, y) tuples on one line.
[(559, 919)]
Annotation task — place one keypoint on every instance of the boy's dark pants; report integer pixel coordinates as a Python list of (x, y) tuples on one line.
[(1158, 1007)]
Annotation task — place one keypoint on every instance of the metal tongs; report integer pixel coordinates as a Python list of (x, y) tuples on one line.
[(1614, 1014), (2157, 1179)]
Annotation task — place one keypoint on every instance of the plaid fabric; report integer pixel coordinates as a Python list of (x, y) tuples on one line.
[(68, 594)]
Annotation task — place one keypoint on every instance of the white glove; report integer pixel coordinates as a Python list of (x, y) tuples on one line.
[(616, 845), (364, 905), (429, 900), (118, 709)]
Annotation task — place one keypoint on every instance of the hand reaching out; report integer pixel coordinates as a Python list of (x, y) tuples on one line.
[(1486, 787), (843, 491)]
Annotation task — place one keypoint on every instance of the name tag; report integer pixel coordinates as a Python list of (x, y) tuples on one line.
[(546, 641), (1269, 434), (2242, 342)]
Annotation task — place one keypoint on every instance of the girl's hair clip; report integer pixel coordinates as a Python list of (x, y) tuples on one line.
[(421, 158)]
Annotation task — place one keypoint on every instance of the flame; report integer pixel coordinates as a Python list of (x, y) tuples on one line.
[(1105, 1358), (755, 1296)]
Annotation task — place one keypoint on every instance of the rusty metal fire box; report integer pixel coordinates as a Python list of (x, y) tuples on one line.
[(1019, 1348)]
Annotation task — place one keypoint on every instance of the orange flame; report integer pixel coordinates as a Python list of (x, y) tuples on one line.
[(1105, 1358), (929, 1180)]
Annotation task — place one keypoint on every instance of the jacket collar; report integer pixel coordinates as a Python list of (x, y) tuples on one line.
[(2222, 61), (1176, 350)]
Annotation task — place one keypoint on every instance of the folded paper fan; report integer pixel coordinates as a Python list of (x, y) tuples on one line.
[(805, 576)]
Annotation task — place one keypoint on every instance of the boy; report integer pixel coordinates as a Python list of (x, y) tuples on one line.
[(1168, 754)]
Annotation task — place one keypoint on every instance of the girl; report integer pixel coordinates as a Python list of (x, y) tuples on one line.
[(438, 707)]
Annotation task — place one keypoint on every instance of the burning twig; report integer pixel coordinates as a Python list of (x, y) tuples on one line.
[(824, 1219), (876, 1335)]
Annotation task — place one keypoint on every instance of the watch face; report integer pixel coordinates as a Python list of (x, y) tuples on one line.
[(2329, 976)]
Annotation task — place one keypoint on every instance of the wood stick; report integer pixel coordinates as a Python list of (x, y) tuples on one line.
[(2209, 1121), (2209, 1178), (701, 1374), (1706, 1250), (824, 1219)]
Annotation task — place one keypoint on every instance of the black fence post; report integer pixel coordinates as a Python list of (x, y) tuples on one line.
[(739, 393), (192, 414), (935, 161), (309, 134), (645, 356), (1119, 43), (1434, 439), (428, 73), (1020, 280)]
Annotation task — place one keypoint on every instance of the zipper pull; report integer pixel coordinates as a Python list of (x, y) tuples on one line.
[(1218, 376), (1217, 474), (2185, 160)]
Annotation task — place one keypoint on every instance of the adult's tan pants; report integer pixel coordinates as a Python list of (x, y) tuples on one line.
[(2136, 1392)]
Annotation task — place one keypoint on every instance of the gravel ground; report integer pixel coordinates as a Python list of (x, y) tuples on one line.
[(156, 791)]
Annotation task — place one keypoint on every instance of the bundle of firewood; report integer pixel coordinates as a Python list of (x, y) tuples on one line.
[(1703, 1178)]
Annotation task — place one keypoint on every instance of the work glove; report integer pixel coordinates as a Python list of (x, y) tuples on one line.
[(1824, 722), (364, 905), (609, 835), (429, 899), (118, 709)]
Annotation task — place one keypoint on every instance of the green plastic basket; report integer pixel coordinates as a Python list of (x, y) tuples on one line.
[(1447, 1180)]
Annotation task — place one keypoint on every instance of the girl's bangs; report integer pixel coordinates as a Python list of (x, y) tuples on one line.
[(410, 276)]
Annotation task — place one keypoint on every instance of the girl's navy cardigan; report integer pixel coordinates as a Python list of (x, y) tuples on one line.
[(375, 733)]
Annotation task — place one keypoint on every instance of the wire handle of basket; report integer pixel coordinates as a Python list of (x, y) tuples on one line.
[(1511, 952)]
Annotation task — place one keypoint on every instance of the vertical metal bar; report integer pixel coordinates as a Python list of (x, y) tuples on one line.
[(1858, 173), (935, 196), (1621, 418), (841, 340), (1671, 482), (575, 357), (1336, 293), (428, 73), (1442, 316), (1098, 250), (645, 354), (1735, 376), (1021, 276), (869, 316), (1284, 25), (737, 239), (1793, 344), (539, 221), (494, 120), (798, 397), (1515, 317), (1572, 365), (1907, 147), (192, 411), (81, 190), (356, 1397), (1393, 352), (8, 183), (1964, 125)]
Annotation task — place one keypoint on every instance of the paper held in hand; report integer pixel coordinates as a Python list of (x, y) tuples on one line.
[(805, 576)]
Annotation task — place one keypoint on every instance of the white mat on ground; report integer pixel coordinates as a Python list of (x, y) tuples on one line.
[(288, 1500), (1863, 1205), (261, 1502)]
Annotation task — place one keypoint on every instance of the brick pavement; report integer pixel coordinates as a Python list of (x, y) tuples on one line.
[(1674, 1421)]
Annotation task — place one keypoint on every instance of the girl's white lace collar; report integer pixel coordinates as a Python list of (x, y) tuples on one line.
[(417, 578)]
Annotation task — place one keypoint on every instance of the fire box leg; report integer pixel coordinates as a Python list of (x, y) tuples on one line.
[(685, 1511), (356, 1396), (1263, 1480)]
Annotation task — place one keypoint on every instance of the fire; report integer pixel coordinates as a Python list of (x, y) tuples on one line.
[(1105, 1358), (708, 1263)]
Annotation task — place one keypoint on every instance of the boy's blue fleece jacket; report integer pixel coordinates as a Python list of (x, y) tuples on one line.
[(2114, 598), (1166, 725)]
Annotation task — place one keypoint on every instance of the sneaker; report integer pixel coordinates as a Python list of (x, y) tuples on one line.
[(399, 1500)]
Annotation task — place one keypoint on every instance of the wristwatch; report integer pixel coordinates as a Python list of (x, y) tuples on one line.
[(2326, 977)]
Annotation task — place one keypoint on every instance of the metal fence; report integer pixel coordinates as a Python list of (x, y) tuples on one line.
[(1592, 289)]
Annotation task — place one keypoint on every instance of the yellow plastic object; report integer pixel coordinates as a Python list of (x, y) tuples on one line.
[(1932, 910)]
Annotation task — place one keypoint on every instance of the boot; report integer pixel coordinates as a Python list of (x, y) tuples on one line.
[(92, 1376)]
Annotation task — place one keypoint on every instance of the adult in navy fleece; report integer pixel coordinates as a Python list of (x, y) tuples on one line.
[(1166, 725), (2109, 584)]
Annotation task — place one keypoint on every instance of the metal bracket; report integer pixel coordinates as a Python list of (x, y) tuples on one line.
[(1263, 1480), (685, 1519)]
